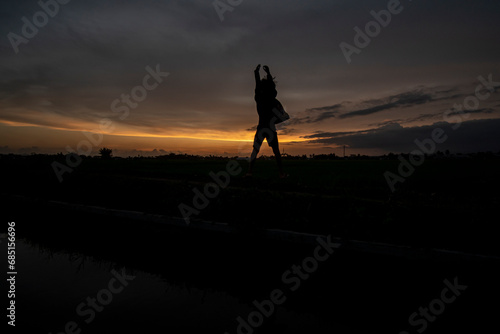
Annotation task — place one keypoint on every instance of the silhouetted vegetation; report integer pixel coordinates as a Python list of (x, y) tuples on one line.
[(106, 153)]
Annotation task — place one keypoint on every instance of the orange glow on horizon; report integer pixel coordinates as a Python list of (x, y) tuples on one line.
[(241, 136)]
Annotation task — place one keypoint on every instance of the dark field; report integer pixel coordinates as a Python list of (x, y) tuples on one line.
[(445, 203), (190, 280)]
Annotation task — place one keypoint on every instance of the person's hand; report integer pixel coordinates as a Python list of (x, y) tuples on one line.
[(266, 68), (257, 68)]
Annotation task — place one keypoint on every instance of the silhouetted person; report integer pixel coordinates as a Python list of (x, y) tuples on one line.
[(265, 97)]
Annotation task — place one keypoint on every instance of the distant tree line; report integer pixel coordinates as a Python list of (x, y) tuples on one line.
[(107, 154)]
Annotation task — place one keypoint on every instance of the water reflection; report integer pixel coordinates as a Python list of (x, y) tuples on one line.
[(187, 280), (52, 284)]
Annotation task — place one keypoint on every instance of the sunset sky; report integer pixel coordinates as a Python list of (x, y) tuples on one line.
[(64, 79)]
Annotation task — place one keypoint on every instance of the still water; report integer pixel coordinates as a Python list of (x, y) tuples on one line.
[(58, 292)]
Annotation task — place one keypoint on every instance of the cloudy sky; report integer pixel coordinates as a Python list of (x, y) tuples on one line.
[(420, 72)]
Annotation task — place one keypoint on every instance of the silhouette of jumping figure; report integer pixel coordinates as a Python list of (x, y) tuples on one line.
[(265, 97)]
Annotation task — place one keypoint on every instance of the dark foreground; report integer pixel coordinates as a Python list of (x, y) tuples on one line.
[(186, 281), (192, 280), (445, 203)]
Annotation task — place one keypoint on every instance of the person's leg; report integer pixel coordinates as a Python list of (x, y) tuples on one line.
[(276, 150), (257, 143), (277, 154), (253, 157)]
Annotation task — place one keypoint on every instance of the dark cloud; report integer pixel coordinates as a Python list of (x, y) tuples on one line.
[(252, 129), (315, 115), (419, 118), (411, 98), (333, 108), (477, 111), (406, 99), (432, 116), (470, 136), (285, 130), (325, 115), (331, 135)]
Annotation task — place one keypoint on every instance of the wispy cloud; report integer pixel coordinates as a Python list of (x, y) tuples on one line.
[(406, 99), (431, 116), (333, 108), (415, 97), (472, 136), (318, 114)]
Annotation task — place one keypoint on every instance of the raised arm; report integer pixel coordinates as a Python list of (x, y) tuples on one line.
[(257, 75), (266, 69)]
